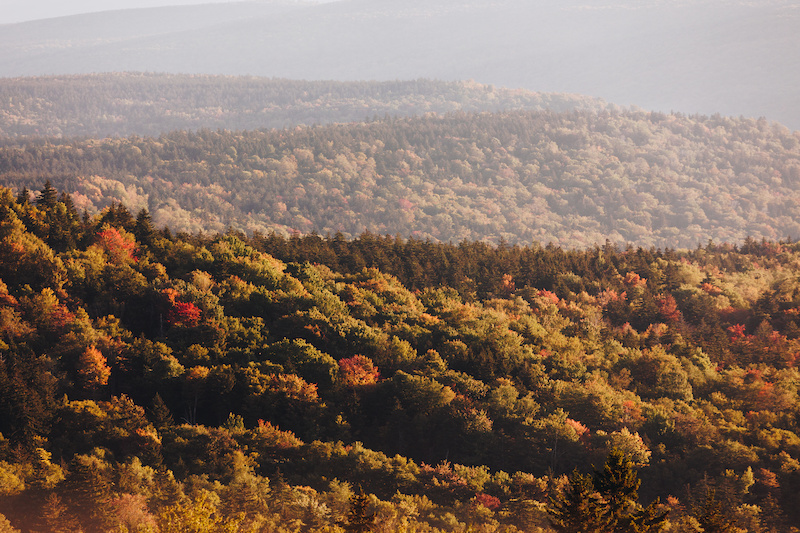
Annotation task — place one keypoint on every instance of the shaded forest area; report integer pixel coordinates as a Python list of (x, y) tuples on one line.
[(124, 104), (573, 179), (153, 381)]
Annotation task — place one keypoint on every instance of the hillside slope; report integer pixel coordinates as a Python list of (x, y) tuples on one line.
[(144, 377), (707, 56), (574, 178)]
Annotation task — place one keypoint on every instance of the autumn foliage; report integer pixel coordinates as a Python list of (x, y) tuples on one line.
[(178, 312), (209, 384), (358, 370), (118, 245)]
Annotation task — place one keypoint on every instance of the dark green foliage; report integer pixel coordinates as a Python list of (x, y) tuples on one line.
[(143, 229), (619, 483), (159, 413), (89, 490), (48, 196), (607, 500), (27, 395), (579, 508)]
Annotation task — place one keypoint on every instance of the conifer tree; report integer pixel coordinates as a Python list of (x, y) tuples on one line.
[(358, 519), (143, 230), (607, 501), (159, 413), (578, 508), (56, 517), (48, 197), (24, 196), (619, 484), (90, 492), (712, 517)]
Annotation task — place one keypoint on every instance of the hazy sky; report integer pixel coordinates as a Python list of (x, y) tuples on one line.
[(21, 10)]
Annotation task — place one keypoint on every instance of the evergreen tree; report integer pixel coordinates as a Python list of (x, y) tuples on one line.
[(56, 517), (619, 484), (48, 197), (159, 413), (579, 508), (712, 517), (24, 196), (143, 229), (90, 492), (358, 519)]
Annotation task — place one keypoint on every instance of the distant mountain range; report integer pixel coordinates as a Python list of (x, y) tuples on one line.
[(702, 56)]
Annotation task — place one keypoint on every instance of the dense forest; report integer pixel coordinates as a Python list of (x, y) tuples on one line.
[(158, 381), (573, 178), (123, 104)]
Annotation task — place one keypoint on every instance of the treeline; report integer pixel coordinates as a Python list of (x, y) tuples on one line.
[(157, 381), (123, 104), (572, 179)]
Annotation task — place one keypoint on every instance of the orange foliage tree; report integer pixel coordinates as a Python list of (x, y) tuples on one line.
[(358, 370)]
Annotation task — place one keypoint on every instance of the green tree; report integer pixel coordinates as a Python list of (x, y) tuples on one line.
[(578, 508), (48, 196), (89, 487), (619, 483), (712, 516), (159, 414)]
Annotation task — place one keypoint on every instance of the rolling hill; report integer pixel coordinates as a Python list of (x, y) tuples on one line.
[(100, 105), (573, 178)]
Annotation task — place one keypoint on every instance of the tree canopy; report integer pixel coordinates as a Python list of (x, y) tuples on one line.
[(160, 381)]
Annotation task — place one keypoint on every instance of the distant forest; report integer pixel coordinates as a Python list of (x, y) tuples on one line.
[(122, 104), (573, 178)]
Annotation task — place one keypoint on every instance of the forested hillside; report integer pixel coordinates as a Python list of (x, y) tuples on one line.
[(155, 382), (574, 178), (122, 104)]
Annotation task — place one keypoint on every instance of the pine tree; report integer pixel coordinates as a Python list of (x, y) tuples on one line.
[(579, 508), (144, 230), (358, 519), (56, 517), (711, 516), (159, 413), (90, 492), (24, 196), (619, 484), (48, 197)]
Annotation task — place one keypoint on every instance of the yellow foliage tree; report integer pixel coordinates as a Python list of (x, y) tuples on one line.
[(199, 516)]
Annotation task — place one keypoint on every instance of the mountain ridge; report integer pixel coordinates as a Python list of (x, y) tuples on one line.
[(144, 104)]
